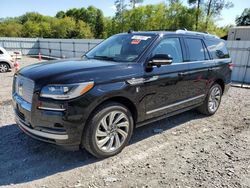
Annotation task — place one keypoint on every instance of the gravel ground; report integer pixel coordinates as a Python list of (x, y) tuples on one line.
[(192, 151)]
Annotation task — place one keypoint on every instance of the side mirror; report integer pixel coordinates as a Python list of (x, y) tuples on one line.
[(160, 59)]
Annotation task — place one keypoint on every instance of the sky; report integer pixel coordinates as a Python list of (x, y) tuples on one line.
[(12, 8)]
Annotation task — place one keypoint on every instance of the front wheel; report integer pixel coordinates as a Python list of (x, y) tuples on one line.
[(108, 131), (4, 67), (212, 101)]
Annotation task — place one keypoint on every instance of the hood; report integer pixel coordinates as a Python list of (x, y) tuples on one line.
[(78, 70)]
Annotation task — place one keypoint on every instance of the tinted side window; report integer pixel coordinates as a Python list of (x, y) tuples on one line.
[(1, 52), (196, 49), (217, 49), (170, 46)]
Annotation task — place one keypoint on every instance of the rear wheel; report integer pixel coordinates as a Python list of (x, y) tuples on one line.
[(4, 67), (108, 131), (212, 101)]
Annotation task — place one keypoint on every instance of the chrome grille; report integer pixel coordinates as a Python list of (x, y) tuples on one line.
[(24, 87)]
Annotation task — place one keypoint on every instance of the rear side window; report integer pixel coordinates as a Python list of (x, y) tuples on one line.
[(197, 51), (1, 52), (217, 49)]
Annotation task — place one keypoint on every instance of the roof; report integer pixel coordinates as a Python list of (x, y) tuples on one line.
[(182, 32), (240, 27)]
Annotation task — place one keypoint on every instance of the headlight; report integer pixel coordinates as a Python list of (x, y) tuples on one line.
[(67, 91)]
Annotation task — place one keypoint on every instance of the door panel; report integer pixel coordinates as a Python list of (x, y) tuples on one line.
[(170, 84), (198, 75), (169, 88), (199, 65), (178, 85)]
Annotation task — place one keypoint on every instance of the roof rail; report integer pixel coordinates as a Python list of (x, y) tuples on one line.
[(206, 34)]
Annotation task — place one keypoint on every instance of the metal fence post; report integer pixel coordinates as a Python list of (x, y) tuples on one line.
[(49, 48), (74, 49), (21, 47), (88, 46), (39, 46), (246, 67), (60, 45)]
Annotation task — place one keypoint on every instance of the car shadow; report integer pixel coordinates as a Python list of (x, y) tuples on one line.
[(23, 159)]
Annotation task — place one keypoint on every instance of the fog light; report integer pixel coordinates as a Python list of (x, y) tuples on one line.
[(58, 125), (44, 106)]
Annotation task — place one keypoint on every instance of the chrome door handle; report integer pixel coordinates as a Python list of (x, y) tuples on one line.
[(210, 69)]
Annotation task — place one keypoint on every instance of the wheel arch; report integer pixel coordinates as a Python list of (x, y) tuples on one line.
[(221, 83), (119, 99), (5, 62)]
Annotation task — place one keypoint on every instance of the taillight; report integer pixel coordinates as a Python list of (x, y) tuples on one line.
[(230, 66)]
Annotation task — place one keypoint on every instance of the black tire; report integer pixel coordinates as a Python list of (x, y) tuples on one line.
[(89, 139), (204, 108), (4, 67)]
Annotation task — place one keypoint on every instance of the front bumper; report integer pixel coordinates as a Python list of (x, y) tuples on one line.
[(39, 133), (42, 124)]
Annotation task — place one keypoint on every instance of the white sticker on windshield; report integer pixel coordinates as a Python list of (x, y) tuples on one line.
[(140, 37)]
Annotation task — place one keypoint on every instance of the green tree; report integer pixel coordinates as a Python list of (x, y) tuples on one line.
[(179, 16), (91, 16), (99, 25), (119, 15), (45, 30), (10, 29), (244, 18), (60, 14), (197, 11), (90, 22), (108, 27), (157, 17), (31, 16), (30, 29), (120, 6), (213, 8), (63, 28), (74, 13), (83, 30), (134, 2)]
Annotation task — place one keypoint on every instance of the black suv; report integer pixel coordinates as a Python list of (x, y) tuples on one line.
[(126, 81)]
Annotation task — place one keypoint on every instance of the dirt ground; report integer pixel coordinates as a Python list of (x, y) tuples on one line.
[(192, 151)]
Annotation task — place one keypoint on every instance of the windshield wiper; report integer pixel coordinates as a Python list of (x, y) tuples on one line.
[(108, 58)]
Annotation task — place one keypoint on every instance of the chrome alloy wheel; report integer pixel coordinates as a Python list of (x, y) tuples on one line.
[(214, 99), (3, 67), (112, 131)]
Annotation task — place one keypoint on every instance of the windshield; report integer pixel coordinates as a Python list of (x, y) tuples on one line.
[(123, 48)]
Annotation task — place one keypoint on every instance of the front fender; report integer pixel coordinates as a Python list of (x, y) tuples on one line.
[(86, 104)]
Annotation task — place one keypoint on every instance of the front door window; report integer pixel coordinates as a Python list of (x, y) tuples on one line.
[(172, 47)]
